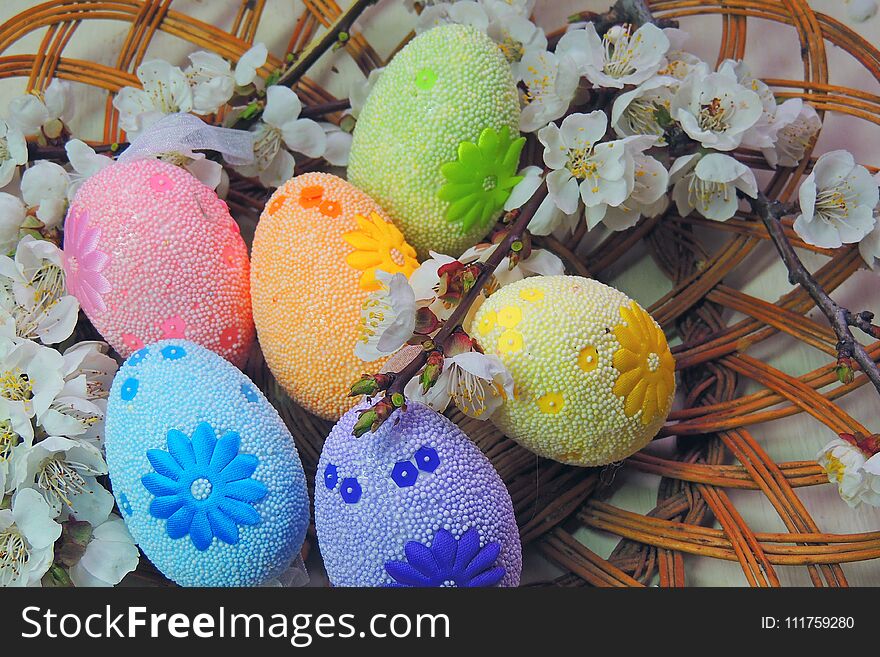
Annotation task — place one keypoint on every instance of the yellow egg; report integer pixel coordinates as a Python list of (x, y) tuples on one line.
[(593, 375), (317, 248)]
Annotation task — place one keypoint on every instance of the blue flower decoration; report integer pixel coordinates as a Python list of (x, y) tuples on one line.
[(129, 389), (448, 562), (249, 392), (124, 504), (137, 357), (427, 458), (330, 476), (350, 490), (203, 486), (173, 352), (404, 474)]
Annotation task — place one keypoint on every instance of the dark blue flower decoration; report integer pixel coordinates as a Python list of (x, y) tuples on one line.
[(173, 352), (427, 458), (124, 504), (129, 389), (404, 474), (203, 486), (448, 562), (137, 357), (330, 476), (350, 490), (249, 392)]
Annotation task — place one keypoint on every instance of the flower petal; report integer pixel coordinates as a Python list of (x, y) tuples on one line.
[(225, 450), (178, 524), (200, 531), (164, 464), (422, 559), (246, 490), (405, 574), (241, 467), (180, 447), (485, 559), (159, 485), (488, 578), (240, 512), (165, 507), (222, 526), (444, 548)]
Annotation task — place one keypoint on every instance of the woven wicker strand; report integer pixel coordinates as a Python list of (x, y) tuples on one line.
[(716, 449)]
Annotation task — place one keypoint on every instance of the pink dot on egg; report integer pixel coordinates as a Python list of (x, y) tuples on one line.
[(132, 341), (160, 183), (173, 327)]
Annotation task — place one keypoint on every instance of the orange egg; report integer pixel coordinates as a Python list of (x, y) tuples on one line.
[(317, 248)]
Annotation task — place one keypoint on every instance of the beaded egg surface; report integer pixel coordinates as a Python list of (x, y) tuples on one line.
[(437, 143), (151, 253), (317, 248), (204, 471), (413, 504), (594, 377)]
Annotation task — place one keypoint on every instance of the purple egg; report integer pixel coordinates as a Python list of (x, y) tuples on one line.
[(413, 504)]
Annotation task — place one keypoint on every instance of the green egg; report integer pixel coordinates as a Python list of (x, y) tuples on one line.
[(437, 143)]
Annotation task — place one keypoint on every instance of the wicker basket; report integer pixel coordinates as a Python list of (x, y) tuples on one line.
[(716, 447)]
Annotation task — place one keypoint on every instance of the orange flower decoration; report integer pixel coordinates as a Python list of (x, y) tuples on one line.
[(313, 197), (379, 245)]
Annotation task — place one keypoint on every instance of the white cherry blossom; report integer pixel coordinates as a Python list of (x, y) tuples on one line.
[(860, 11), (85, 163), (619, 57), (12, 216), (716, 110), (338, 144), (33, 295), (27, 538), (539, 263), (463, 12), (44, 186), (281, 128), (583, 169), (837, 202), (213, 81), (551, 81), (476, 383), (648, 196), (709, 184), (64, 472), (166, 90), (636, 112), (109, 556), (845, 464), (30, 379), (794, 138), (388, 318), (13, 151), (45, 112)]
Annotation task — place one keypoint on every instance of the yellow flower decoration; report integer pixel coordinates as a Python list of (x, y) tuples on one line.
[(531, 294), (509, 316), (646, 366), (551, 403), (379, 245), (510, 342), (487, 323)]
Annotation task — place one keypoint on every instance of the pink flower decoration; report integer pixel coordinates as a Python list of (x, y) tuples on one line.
[(83, 263), (160, 183), (173, 327), (133, 342)]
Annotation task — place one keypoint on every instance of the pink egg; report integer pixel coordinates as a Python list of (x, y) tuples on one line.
[(152, 253)]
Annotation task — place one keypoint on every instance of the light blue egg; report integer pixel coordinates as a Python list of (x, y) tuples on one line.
[(204, 471)]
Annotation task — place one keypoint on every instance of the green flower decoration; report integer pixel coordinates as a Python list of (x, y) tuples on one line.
[(480, 180)]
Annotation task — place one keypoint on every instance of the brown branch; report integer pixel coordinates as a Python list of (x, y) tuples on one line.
[(487, 269), (841, 319), (635, 12)]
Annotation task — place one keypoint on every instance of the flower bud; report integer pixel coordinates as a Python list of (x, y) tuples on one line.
[(426, 322), (844, 370), (431, 372), (365, 422)]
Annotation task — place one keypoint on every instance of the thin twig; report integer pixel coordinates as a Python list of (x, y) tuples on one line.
[(841, 319), (487, 269)]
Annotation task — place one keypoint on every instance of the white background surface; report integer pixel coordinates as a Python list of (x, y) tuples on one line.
[(772, 51)]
